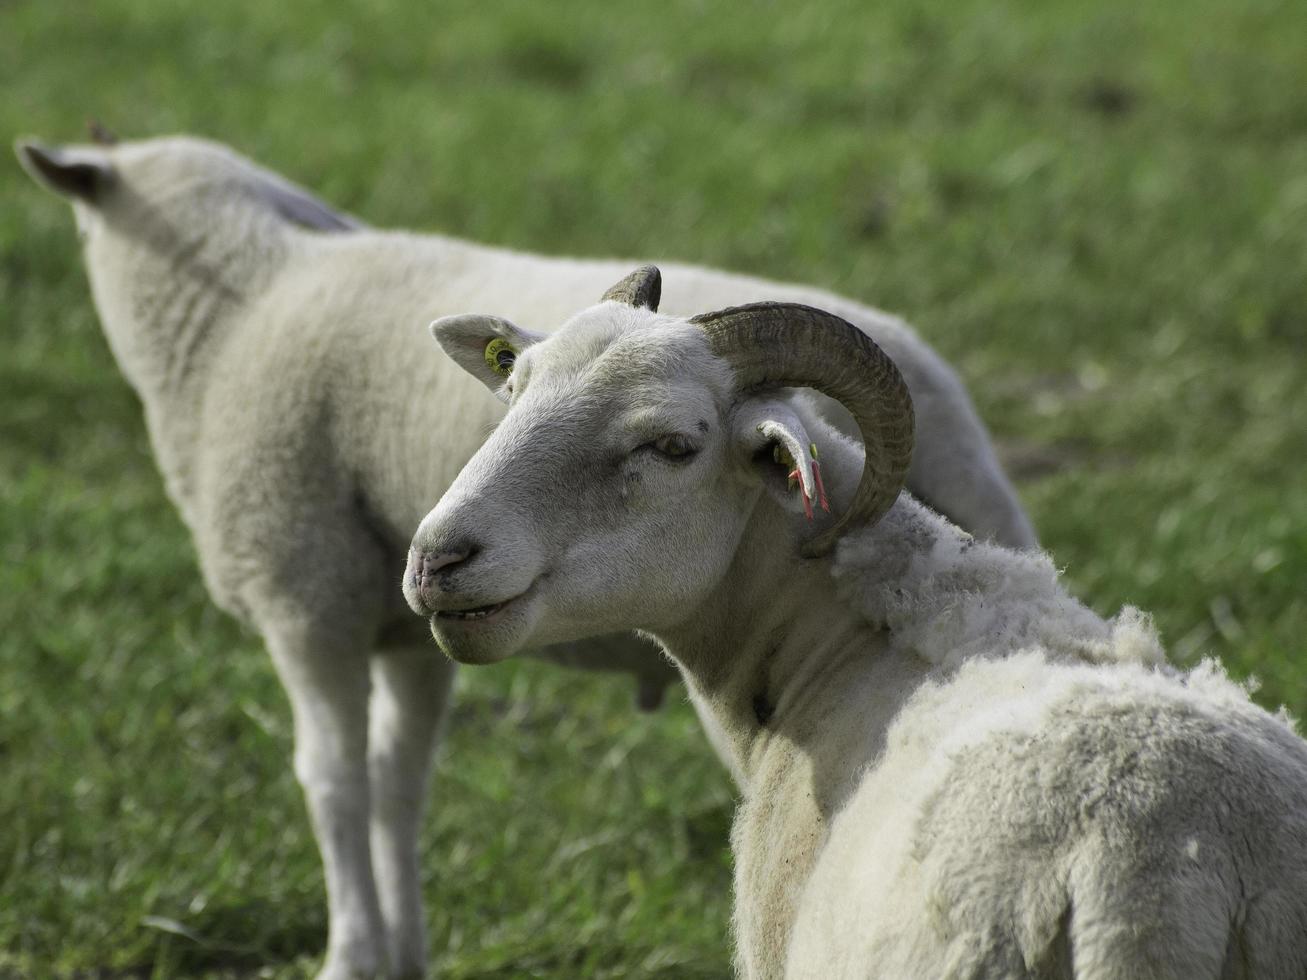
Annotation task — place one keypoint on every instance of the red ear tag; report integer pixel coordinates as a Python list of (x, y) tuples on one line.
[(807, 501), (816, 478), (821, 488)]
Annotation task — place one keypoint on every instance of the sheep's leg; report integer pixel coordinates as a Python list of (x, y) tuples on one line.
[(327, 682), (410, 690)]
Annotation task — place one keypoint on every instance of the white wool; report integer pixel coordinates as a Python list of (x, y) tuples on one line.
[(974, 842), (949, 598)]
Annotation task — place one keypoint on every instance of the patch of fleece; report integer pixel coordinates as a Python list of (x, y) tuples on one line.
[(949, 598)]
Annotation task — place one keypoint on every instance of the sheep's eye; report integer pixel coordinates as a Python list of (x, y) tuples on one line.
[(501, 356), (674, 446)]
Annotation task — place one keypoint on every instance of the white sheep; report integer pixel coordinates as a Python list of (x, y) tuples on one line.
[(949, 767), (278, 350)]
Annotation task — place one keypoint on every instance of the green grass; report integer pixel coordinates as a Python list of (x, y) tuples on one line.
[(1099, 215)]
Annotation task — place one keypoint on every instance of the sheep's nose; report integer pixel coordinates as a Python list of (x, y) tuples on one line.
[(420, 576)]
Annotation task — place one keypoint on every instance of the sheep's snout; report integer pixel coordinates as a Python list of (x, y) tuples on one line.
[(425, 573)]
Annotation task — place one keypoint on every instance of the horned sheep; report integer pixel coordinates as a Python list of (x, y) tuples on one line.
[(949, 767), (277, 346)]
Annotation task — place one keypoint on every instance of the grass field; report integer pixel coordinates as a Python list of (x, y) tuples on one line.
[(1100, 215)]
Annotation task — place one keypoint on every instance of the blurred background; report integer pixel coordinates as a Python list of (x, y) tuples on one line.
[(1096, 211)]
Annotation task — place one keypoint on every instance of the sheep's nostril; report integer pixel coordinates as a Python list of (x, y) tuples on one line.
[(421, 585), (429, 563), (442, 559)]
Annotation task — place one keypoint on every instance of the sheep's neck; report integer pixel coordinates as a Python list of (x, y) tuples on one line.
[(762, 652), (166, 281), (763, 658)]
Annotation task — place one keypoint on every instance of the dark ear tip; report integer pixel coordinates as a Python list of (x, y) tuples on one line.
[(66, 174), (26, 148), (35, 157)]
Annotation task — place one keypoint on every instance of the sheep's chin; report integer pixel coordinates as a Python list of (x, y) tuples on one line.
[(489, 640)]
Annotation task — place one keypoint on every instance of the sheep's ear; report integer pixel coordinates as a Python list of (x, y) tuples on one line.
[(769, 434), (81, 173), (486, 347)]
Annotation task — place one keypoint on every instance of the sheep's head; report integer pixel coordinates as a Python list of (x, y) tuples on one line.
[(171, 228), (119, 186), (635, 451)]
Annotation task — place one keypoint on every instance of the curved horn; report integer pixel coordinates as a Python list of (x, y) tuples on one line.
[(643, 287), (787, 345)]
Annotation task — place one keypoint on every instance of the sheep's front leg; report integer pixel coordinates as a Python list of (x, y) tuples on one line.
[(410, 690), (327, 682)]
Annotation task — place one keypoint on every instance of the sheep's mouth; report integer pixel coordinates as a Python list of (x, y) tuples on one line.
[(475, 613), (479, 614)]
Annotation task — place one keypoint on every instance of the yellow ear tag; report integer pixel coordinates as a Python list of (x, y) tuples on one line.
[(501, 355)]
